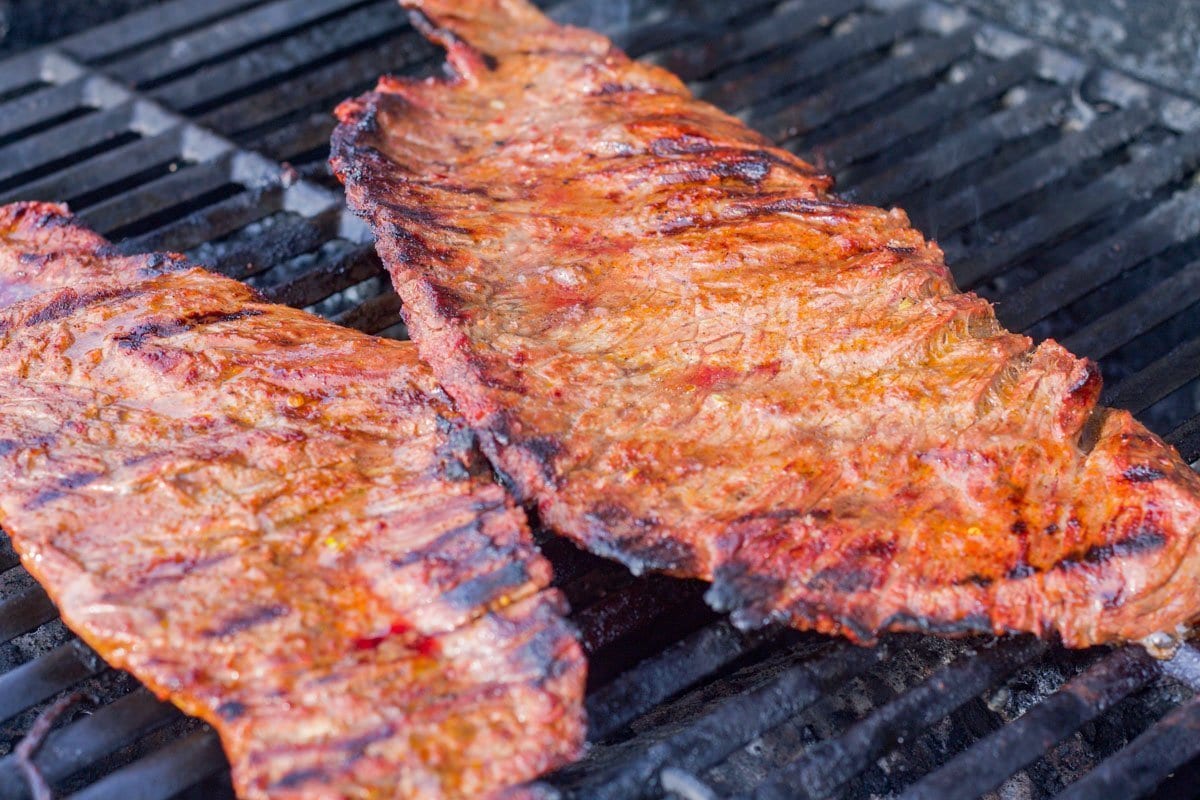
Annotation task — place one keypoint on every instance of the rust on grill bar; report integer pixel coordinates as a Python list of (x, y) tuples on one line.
[(1062, 191)]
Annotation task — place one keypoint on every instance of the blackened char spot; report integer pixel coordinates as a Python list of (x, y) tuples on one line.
[(137, 337), (458, 456), (231, 710), (778, 514), (300, 776), (977, 580), (357, 745), (684, 144), (1020, 571), (543, 450), (487, 588), (611, 87), (1141, 473), (842, 578), (736, 584), (622, 536), (155, 264), (252, 618)]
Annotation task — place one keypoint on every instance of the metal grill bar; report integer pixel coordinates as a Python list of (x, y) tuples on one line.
[(1040, 170), (108, 169), (627, 770), (39, 110), (162, 774), (381, 311), (200, 90), (152, 25), (1168, 224), (295, 140), (24, 612), (157, 64), (1039, 110), (867, 87), (213, 222), (63, 142), (1138, 178), (770, 81), (1149, 759), (987, 763), (1187, 438), (657, 679), (46, 676), (790, 22), (828, 765), (326, 279), (986, 81), (171, 190), (89, 739), (288, 96), (1141, 390), (1150, 308)]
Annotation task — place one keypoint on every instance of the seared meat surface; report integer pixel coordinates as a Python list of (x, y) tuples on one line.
[(277, 524), (676, 341)]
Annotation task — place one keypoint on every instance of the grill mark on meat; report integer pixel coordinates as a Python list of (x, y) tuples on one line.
[(299, 777), (242, 568), (1147, 539), (244, 622), (61, 487), (1142, 473), (68, 301), (711, 253), (137, 338)]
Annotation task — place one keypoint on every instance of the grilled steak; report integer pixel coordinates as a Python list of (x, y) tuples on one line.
[(276, 523), (692, 356)]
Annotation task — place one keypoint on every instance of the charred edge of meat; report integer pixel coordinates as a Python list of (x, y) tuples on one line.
[(485, 589), (735, 582), (459, 457)]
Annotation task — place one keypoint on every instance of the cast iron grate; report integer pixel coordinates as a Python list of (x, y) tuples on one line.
[(1065, 193)]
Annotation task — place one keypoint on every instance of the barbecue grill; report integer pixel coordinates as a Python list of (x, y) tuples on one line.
[(1065, 192)]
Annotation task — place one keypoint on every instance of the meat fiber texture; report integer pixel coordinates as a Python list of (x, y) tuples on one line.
[(690, 355), (275, 523)]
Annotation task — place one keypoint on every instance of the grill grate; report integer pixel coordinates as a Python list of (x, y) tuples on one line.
[(1065, 193)]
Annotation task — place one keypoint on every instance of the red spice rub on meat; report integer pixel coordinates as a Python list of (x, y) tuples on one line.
[(275, 523), (692, 356)]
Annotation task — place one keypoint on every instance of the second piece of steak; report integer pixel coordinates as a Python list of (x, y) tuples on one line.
[(273, 522), (692, 356)]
